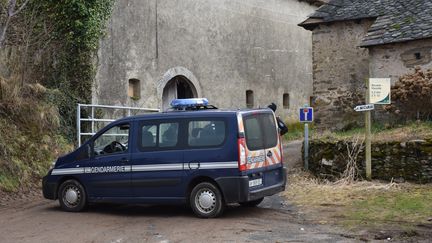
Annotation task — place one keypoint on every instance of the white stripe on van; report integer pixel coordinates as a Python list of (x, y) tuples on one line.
[(157, 167), (141, 168), (219, 165), (68, 171)]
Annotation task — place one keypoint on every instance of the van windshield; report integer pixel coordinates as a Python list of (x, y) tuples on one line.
[(260, 131)]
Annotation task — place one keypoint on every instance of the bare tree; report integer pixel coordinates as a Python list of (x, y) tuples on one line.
[(11, 9)]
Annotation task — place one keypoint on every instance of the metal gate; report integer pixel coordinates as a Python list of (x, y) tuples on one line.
[(91, 118)]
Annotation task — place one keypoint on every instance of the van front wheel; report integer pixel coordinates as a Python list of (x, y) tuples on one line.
[(206, 200), (72, 196)]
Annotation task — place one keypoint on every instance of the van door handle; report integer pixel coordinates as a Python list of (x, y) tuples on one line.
[(124, 161)]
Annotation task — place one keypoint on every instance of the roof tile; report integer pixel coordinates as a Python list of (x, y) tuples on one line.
[(396, 20)]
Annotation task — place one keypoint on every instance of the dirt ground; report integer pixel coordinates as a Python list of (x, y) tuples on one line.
[(31, 218), (40, 220)]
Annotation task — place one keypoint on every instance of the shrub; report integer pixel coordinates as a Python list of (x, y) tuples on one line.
[(412, 96)]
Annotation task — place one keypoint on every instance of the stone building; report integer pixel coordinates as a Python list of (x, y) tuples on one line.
[(353, 40), (235, 53)]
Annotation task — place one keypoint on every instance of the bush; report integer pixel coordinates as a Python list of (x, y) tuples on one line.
[(29, 135), (412, 96)]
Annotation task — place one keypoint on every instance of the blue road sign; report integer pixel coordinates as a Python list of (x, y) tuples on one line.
[(306, 114)]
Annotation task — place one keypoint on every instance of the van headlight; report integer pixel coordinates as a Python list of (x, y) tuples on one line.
[(52, 165)]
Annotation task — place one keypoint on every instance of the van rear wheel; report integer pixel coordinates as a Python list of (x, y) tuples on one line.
[(72, 196), (252, 203), (206, 200)]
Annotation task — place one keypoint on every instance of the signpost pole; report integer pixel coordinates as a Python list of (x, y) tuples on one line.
[(368, 136), (306, 116), (306, 146)]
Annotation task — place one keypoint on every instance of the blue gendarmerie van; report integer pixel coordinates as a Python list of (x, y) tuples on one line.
[(195, 154)]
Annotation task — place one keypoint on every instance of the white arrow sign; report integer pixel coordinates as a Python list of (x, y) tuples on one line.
[(367, 107)]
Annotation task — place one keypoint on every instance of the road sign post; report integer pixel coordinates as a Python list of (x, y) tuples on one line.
[(378, 92), (306, 116), (368, 137), (367, 110), (306, 146)]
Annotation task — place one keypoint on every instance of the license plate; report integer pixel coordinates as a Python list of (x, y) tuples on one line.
[(255, 182)]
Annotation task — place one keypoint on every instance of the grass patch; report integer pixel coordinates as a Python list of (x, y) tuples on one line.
[(26, 154), (296, 131), (408, 205), (8, 183), (361, 204), (30, 136), (380, 133)]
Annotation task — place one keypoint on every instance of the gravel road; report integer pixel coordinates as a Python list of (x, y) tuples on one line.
[(34, 219), (40, 220)]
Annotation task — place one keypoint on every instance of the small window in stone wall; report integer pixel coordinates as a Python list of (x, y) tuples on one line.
[(312, 100), (286, 101), (134, 90), (417, 56), (249, 99)]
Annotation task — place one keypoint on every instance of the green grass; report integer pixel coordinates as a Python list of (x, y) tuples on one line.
[(361, 205), (295, 131), (401, 132), (26, 152), (406, 207), (9, 183)]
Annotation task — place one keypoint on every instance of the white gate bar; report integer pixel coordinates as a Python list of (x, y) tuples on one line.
[(119, 107), (97, 120), (93, 120), (110, 134)]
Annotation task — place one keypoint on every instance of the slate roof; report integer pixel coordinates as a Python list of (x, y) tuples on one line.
[(315, 2), (395, 20)]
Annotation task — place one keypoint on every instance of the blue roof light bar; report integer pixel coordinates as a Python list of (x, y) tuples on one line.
[(185, 103)]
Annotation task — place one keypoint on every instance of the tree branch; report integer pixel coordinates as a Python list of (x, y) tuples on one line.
[(20, 8), (9, 14)]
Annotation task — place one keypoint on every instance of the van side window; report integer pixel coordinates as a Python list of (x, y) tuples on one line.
[(114, 140), (168, 134), (148, 136), (159, 136), (206, 133)]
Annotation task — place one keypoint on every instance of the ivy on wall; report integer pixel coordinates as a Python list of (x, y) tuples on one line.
[(79, 25), (54, 43)]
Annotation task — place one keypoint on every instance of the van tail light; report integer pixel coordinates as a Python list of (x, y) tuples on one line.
[(281, 149), (242, 154)]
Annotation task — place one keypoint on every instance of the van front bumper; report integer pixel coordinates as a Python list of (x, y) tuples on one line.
[(236, 189), (49, 188)]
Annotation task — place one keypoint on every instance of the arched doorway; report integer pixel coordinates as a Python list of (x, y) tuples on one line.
[(178, 87)]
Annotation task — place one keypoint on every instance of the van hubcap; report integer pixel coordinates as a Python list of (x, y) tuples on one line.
[(71, 196), (205, 200)]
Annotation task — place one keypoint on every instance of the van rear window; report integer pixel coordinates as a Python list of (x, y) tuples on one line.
[(260, 131)]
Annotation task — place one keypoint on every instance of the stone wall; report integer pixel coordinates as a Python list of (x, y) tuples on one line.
[(395, 60), (410, 161), (340, 69), (224, 47)]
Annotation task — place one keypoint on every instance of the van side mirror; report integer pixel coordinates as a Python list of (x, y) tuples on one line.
[(85, 152), (89, 150), (282, 127)]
